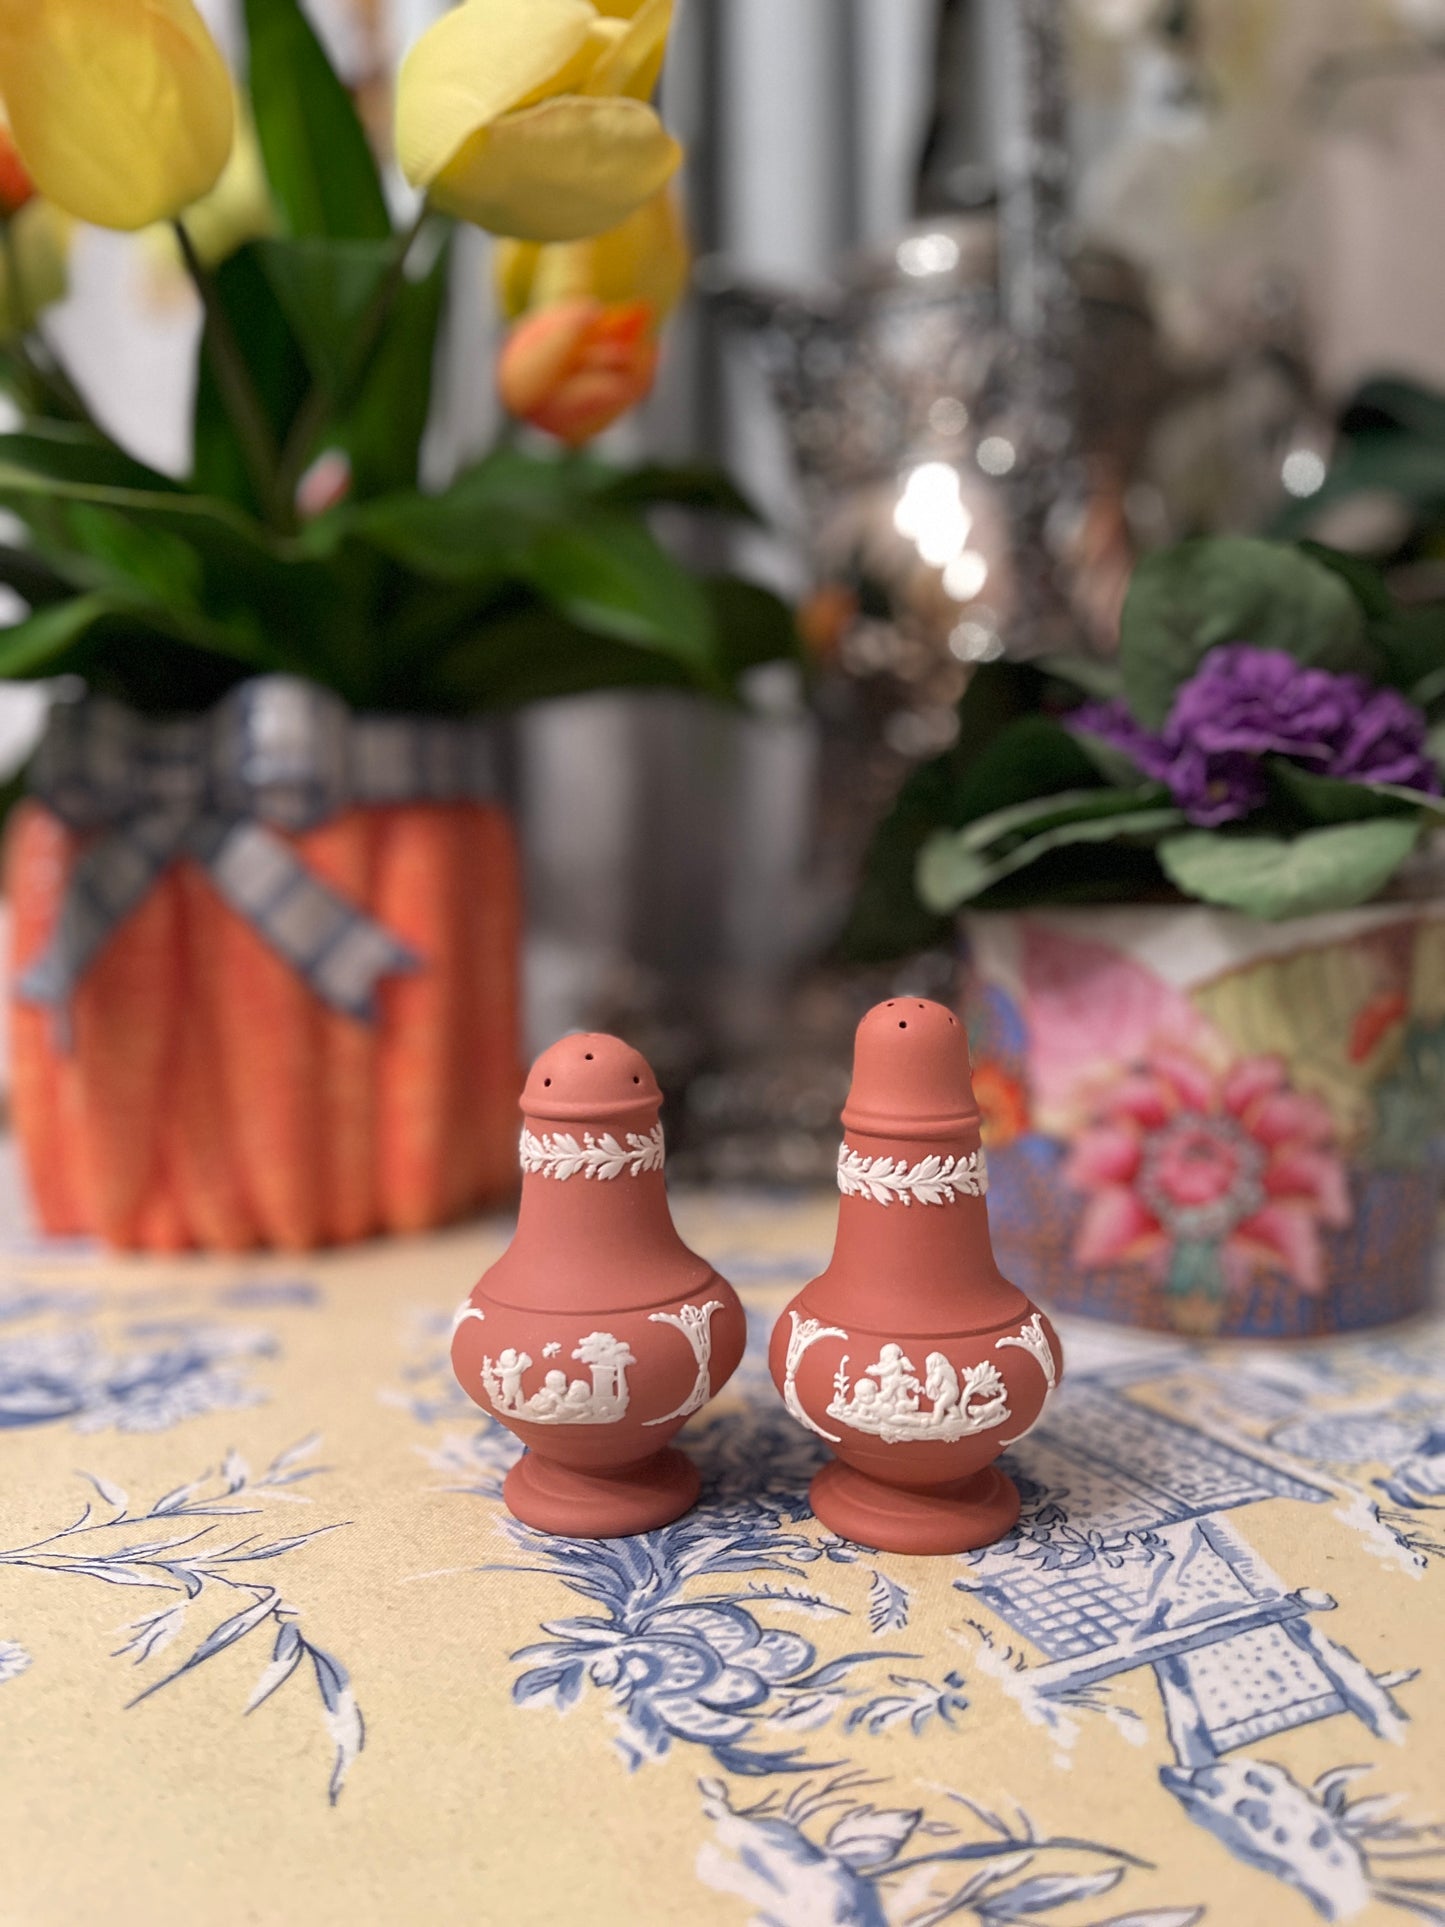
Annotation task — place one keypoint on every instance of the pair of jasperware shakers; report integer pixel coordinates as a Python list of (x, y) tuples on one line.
[(598, 1333)]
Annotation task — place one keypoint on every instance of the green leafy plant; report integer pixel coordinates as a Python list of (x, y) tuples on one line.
[(1269, 739), (528, 576)]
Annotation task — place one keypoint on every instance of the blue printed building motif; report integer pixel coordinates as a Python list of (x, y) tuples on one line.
[(1161, 1580)]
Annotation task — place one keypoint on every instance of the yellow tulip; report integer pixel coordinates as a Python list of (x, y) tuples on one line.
[(121, 109), (530, 117), (239, 208), (644, 258), (34, 266)]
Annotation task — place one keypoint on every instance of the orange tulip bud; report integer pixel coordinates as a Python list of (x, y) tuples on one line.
[(572, 368), (16, 186)]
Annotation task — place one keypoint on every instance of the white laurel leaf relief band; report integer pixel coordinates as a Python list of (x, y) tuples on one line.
[(602, 1397), (560, 1155), (933, 1180)]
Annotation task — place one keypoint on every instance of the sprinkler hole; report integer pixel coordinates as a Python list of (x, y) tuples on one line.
[(547, 1081), (588, 1056), (903, 1023)]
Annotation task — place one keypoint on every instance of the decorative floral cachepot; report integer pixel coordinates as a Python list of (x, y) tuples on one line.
[(1203, 1123), (597, 1333), (911, 1354), (265, 973)]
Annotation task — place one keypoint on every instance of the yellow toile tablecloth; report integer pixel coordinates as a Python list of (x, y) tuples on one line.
[(271, 1650)]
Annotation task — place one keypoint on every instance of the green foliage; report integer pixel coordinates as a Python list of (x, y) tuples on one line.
[(958, 868), (527, 577), (1392, 443), (318, 160), (1273, 877), (1185, 601), (1026, 810)]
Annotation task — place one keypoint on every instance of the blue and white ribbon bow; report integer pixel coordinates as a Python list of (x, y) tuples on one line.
[(276, 753)]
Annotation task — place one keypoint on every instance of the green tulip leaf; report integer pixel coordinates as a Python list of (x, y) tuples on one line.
[(607, 574), (34, 579), (278, 370), (319, 162), (750, 625), (383, 417), (1272, 877), (697, 486), (324, 287), (65, 452), (65, 638), (533, 654), (1185, 601)]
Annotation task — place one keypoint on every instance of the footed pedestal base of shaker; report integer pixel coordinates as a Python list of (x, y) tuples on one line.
[(589, 1505), (943, 1518)]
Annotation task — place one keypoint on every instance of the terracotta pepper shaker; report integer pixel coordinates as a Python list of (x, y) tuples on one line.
[(597, 1333), (912, 1355)]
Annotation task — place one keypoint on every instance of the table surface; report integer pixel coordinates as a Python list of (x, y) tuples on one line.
[(272, 1651)]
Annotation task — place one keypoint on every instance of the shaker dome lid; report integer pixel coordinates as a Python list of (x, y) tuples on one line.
[(591, 1075), (911, 1075)]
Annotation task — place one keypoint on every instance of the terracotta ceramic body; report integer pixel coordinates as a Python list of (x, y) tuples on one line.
[(597, 1334), (912, 1355)]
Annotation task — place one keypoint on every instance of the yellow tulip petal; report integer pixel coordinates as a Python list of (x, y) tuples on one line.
[(121, 109), (239, 208), (619, 9), (478, 62), (632, 63), (644, 258), (568, 168), (515, 265)]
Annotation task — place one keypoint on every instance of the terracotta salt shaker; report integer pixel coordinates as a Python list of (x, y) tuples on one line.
[(597, 1333), (912, 1355)]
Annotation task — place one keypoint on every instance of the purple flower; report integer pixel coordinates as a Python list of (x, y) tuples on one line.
[(1209, 789), (1113, 723), (1262, 702), (1385, 742), (1215, 789), (1243, 704)]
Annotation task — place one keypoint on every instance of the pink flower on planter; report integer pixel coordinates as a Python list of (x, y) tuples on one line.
[(1182, 1161)]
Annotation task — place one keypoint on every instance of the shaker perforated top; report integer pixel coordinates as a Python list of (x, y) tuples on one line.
[(911, 1074), (590, 1077)]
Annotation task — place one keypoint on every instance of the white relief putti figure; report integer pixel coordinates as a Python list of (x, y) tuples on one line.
[(600, 1400), (695, 1324), (887, 1402), (561, 1155), (805, 1332), (1033, 1339), (933, 1180)]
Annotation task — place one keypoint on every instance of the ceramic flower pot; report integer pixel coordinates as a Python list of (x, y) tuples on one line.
[(598, 1333), (1202, 1123), (912, 1354), (207, 1097)]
